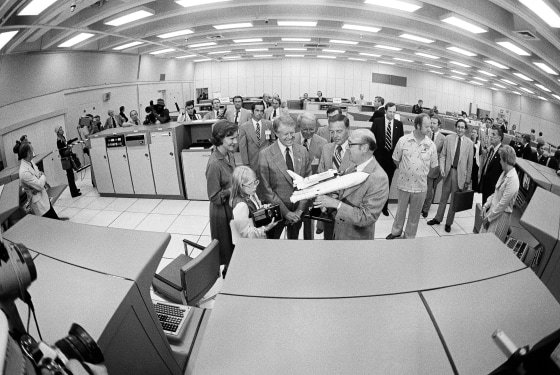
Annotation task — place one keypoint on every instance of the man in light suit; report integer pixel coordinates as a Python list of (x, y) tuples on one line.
[(306, 137), (254, 136), (190, 114), (491, 168), (335, 155), (275, 110), (274, 162), (239, 115), (387, 131), (217, 112), (358, 207), (112, 121), (434, 176), (455, 162)]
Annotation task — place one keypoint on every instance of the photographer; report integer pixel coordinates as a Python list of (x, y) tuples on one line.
[(67, 155), (159, 112)]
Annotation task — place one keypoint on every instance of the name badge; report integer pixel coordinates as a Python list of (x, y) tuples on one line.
[(267, 134)]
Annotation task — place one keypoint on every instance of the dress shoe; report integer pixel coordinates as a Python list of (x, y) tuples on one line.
[(432, 222), (385, 212), (76, 195), (424, 214), (448, 228), (63, 218), (318, 231), (391, 236)]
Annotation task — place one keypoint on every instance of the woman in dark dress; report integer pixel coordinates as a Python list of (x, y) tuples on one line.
[(218, 183), (66, 152), (476, 159)]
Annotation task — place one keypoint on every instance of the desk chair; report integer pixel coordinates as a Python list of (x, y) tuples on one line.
[(186, 280)]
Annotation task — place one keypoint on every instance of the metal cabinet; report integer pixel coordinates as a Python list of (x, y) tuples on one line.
[(118, 162), (100, 162), (194, 170), (164, 163), (140, 163)]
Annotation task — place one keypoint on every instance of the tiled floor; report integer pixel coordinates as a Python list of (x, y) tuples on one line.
[(189, 219)]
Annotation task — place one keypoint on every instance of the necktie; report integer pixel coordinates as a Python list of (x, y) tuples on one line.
[(289, 162), (432, 137), (258, 132), (136, 122), (114, 123), (274, 115), (457, 152), (337, 157), (236, 114), (491, 155), (305, 144), (388, 142)]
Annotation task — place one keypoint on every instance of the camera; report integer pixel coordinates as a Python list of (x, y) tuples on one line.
[(264, 216)]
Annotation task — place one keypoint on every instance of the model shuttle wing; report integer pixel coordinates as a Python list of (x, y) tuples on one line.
[(303, 183), (339, 183)]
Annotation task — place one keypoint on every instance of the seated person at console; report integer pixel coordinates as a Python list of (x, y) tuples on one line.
[(191, 114), (244, 201)]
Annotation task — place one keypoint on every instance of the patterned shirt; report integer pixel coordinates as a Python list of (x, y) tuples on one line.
[(415, 160)]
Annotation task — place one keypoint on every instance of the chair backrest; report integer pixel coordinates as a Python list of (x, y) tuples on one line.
[(199, 275)]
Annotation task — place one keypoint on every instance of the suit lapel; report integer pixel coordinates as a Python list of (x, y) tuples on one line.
[(280, 162), (251, 130)]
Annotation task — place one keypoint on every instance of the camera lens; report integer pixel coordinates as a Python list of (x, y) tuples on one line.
[(26, 258), (80, 345)]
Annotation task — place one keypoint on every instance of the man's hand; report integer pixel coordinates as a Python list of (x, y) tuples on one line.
[(292, 217), (466, 185), (442, 171), (324, 201)]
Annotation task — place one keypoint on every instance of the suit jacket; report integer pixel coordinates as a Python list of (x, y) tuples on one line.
[(279, 112), (491, 171), (464, 166), (212, 115), (33, 183), (362, 205), (542, 160), (383, 156), (528, 153), (244, 116), (316, 145), (277, 183), (325, 163), (379, 112), (109, 122), (440, 138), (249, 147), (417, 109), (322, 99)]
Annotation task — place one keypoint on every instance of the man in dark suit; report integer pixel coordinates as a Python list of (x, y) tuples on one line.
[(319, 97), (274, 162), (542, 159), (378, 103), (417, 108), (491, 168), (387, 132), (528, 152)]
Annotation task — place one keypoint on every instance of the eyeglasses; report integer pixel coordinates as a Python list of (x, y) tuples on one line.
[(253, 183), (350, 144)]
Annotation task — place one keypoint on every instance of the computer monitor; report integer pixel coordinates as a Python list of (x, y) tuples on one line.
[(199, 275)]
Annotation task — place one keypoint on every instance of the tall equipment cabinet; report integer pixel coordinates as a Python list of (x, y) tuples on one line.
[(100, 162), (140, 163), (164, 163), (118, 162)]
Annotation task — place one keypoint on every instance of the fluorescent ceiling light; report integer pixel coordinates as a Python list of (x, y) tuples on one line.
[(459, 78), (35, 7), (523, 77), (77, 39), (493, 88), (435, 72), (405, 60), (262, 55), (463, 24), (461, 51), (487, 73), (407, 6), (542, 87), (356, 59), (556, 96), (159, 52), (545, 67), (298, 23), (476, 83), (175, 33), (250, 40), (233, 26), (294, 55), (231, 57), (218, 52), (185, 56), (459, 72), (508, 81), (426, 55), (326, 57), (130, 17), (6, 37), (513, 48), (416, 38), (434, 66), (545, 12), (296, 39), (361, 28), (369, 54), (336, 41), (516, 92), (541, 98), (500, 86), (192, 3), (496, 64), (526, 90), (390, 48), (128, 45), (386, 62), (205, 44), (333, 50), (481, 79), (295, 49), (460, 64), (202, 60), (256, 49)]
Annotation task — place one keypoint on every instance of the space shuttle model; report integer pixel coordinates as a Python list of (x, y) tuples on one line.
[(323, 183)]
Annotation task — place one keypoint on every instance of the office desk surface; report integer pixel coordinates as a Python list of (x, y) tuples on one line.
[(529, 168), (467, 315), (374, 335), (542, 218), (9, 199), (331, 269)]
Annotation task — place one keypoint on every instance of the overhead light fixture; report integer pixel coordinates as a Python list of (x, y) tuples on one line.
[(36, 7), (500, 86), (542, 87), (434, 66), (390, 48), (369, 54), (201, 60), (233, 26), (356, 59), (231, 57), (136, 15), (296, 39), (460, 64), (476, 83), (298, 23), (435, 72), (333, 50), (361, 28), (295, 49), (545, 67), (161, 51), (496, 64), (516, 92), (193, 3), (459, 72), (218, 52), (526, 90), (250, 40), (416, 38), (262, 55), (523, 77), (512, 47), (185, 56), (481, 79), (326, 56), (508, 82), (556, 96), (486, 73), (336, 41), (493, 88), (386, 62), (294, 55), (407, 6), (461, 51), (456, 77), (76, 40), (462, 23), (6, 37), (256, 49), (128, 45), (544, 11), (404, 60), (541, 98), (175, 33), (426, 55), (205, 44)]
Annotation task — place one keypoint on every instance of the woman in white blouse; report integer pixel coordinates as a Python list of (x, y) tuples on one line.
[(244, 201), (496, 212)]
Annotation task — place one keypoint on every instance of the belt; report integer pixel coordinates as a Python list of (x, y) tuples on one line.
[(453, 167)]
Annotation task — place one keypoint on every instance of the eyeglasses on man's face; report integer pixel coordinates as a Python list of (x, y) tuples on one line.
[(350, 144)]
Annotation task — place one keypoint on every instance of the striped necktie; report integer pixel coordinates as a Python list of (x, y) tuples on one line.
[(258, 132), (388, 142), (337, 157)]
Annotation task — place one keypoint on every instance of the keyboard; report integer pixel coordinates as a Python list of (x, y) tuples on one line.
[(520, 248), (173, 318)]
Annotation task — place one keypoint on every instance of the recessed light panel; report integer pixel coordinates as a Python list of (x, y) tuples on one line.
[(356, 59), (228, 26), (333, 50), (202, 60), (295, 49), (545, 67), (386, 62), (459, 72), (261, 56), (185, 56), (298, 23), (426, 55), (544, 11), (326, 57), (296, 39), (500, 86), (462, 51), (390, 48), (250, 40), (481, 79), (435, 72), (193, 3), (542, 87), (336, 41), (434, 66), (523, 77), (416, 38), (456, 77), (460, 64), (76, 40), (294, 55), (487, 73), (256, 49), (231, 57), (476, 83), (128, 45), (404, 60), (516, 92), (407, 6), (369, 54), (463, 24), (205, 44), (541, 98), (556, 96), (36, 7), (175, 33), (496, 64), (161, 51), (508, 82), (361, 28), (218, 52), (130, 17), (6, 37), (526, 90), (513, 48)]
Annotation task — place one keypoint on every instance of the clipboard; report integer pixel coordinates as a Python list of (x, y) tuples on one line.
[(463, 200)]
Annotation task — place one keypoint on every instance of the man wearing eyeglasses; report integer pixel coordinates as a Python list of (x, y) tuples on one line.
[(359, 207)]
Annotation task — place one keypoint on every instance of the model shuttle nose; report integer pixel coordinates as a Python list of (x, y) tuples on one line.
[(330, 186)]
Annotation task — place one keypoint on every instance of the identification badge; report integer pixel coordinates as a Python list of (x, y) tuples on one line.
[(267, 134)]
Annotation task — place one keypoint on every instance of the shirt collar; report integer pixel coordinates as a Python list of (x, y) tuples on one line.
[(361, 167), (283, 148)]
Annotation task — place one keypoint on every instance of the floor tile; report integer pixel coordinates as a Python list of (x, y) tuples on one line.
[(68, 212), (84, 215), (170, 207), (176, 246), (163, 263), (455, 230), (82, 202), (104, 218), (63, 201), (197, 208), (156, 222), (100, 203), (425, 230), (206, 231), (144, 205), (383, 228), (92, 193), (120, 204), (466, 223), (188, 225), (128, 220)]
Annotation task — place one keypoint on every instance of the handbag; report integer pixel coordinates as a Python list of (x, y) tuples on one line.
[(76, 164), (66, 163)]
